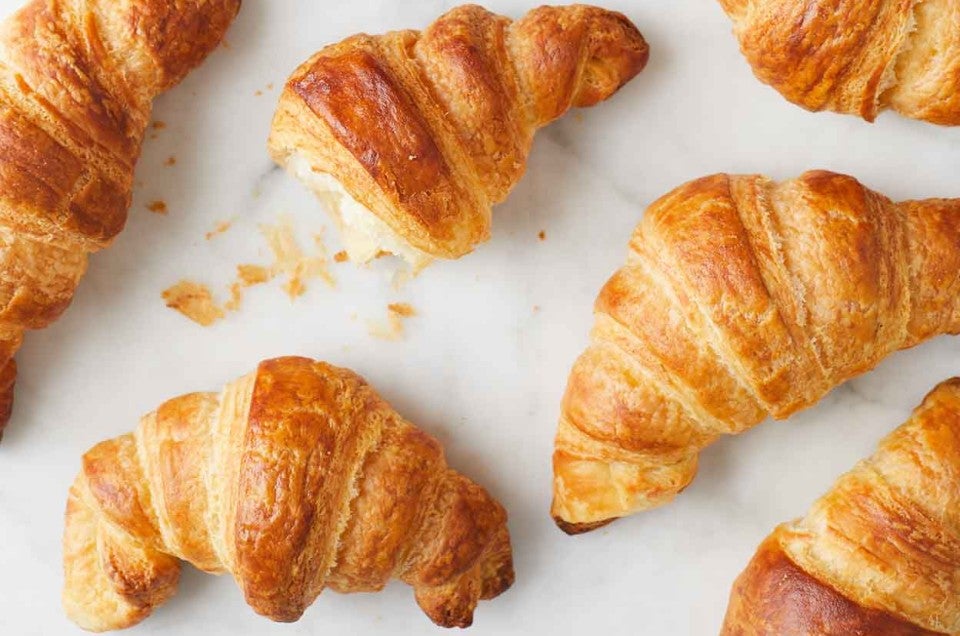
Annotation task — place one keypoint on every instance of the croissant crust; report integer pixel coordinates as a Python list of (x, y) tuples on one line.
[(295, 478)]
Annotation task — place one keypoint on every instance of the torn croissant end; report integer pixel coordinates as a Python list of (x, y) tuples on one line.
[(294, 478), (411, 137)]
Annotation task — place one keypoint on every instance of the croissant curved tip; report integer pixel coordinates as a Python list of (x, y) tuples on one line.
[(581, 528)]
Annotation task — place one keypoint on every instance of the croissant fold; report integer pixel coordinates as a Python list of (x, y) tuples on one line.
[(879, 554), (742, 298), (76, 84), (411, 137), (294, 478)]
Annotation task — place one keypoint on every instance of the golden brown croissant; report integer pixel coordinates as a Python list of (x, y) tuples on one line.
[(76, 83), (879, 554), (295, 478), (856, 56), (742, 298), (412, 137)]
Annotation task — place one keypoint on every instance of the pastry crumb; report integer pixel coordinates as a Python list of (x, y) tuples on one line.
[(290, 260), (194, 301), (250, 275), (219, 228), (158, 125), (157, 207), (536, 309), (393, 330), (542, 235), (258, 93), (341, 257), (236, 297), (171, 161), (402, 309)]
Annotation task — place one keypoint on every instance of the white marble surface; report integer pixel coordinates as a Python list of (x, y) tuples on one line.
[(479, 368)]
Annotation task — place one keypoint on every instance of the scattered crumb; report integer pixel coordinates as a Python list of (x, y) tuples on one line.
[(290, 260), (219, 228), (536, 309), (194, 301), (341, 257), (250, 275), (157, 207), (171, 161), (155, 127), (225, 43), (402, 277), (402, 309), (236, 297), (542, 235), (247, 276), (270, 86), (258, 93), (393, 330)]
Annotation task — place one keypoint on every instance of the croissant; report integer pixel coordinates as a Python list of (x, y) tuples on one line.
[(858, 57), (879, 554), (742, 298), (411, 137), (294, 478), (76, 84)]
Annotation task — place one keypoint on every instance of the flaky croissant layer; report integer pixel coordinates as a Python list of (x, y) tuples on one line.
[(856, 56), (294, 478), (411, 137), (879, 554), (742, 298), (76, 83)]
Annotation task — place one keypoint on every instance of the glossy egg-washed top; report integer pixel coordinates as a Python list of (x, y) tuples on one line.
[(295, 478), (429, 129), (742, 298)]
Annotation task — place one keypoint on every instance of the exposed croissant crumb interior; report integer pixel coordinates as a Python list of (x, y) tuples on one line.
[(365, 236), (194, 301), (157, 207), (219, 228), (393, 329)]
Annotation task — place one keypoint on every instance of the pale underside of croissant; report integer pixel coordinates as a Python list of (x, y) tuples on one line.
[(77, 78), (411, 137), (879, 554), (294, 478), (742, 298), (857, 57)]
